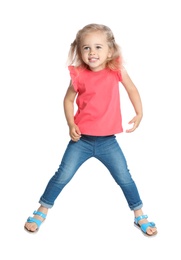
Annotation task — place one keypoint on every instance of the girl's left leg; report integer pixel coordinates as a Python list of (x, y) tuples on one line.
[(111, 155)]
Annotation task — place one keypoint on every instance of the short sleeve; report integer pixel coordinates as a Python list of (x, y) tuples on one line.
[(74, 77), (119, 76)]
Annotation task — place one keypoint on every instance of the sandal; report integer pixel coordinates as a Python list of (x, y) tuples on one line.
[(143, 227), (38, 222)]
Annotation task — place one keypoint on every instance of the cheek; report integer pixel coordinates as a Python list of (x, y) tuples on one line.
[(84, 56)]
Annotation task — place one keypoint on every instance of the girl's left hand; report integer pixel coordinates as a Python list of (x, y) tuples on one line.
[(135, 121)]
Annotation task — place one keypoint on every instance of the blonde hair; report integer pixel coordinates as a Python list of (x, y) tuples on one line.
[(74, 55)]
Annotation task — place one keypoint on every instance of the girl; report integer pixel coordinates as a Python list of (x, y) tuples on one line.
[(95, 66)]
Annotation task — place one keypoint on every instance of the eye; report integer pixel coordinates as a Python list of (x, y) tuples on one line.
[(86, 48), (98, 47)]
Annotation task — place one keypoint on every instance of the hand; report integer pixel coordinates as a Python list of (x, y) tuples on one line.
[(135, 121), (74, 133)]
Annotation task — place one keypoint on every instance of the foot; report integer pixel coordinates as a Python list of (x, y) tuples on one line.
[(150, 231), (32, 226)]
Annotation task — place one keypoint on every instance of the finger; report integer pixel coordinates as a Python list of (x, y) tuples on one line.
[(78, 132), (132, 121), (131, 129), (75, 137)]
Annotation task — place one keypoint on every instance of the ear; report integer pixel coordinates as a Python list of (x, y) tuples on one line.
[(110, 53)]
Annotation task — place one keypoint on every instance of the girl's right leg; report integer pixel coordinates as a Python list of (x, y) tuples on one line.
[(75, 155)]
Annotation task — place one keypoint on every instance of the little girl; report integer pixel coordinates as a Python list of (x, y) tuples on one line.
[(95, 66)]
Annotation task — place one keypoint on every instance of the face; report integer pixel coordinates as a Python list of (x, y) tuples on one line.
[(95, 50)]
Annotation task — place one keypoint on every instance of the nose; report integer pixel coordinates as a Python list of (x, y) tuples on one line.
[(91, 52)]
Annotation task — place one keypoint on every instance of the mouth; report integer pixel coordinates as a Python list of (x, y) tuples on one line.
[(93, 59)]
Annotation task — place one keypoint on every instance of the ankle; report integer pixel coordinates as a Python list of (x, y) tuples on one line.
[(43, 209), (138, 213)]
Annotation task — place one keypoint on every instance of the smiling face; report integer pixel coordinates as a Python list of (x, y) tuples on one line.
[(95, 50)]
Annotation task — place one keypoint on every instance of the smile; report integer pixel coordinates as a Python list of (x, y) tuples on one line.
[(93, 59)]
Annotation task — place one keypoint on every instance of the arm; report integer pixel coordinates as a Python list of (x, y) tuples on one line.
[(69, 99), (134, 98)]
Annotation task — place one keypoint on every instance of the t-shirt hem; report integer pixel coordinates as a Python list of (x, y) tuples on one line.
[(101, 134)]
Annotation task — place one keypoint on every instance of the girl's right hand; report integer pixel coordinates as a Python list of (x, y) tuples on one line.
[(74, 133)]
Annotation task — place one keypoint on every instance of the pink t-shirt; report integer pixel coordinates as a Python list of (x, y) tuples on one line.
[(98, 101)]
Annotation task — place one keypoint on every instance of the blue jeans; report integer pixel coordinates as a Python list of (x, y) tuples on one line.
[(107, 150)]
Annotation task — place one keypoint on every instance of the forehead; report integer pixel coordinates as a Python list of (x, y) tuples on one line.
[(94, 37)]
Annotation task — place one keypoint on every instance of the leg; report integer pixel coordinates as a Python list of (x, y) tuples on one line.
[(111, 155), (75, 155)]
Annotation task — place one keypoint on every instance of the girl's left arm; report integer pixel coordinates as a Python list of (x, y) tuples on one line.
[(135, 99)]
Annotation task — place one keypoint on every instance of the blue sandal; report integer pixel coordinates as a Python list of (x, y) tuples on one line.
[(143, 227), (37, 221)]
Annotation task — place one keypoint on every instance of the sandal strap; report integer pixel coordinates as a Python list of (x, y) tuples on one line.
[(140, 217), (39, 213), (34, 220), (146, 225)]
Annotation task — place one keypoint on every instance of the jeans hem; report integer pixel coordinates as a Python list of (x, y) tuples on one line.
[(137, 207), (48, 206)]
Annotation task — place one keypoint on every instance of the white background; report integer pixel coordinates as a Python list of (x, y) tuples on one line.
[(90, 219)]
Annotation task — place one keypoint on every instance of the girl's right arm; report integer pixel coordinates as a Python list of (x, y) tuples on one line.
[(69, 99)]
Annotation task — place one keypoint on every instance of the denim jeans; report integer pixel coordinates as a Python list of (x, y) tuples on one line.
[(107, 150)]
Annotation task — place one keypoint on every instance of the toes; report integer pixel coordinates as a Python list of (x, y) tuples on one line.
[(151, 231), (31, 226)]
